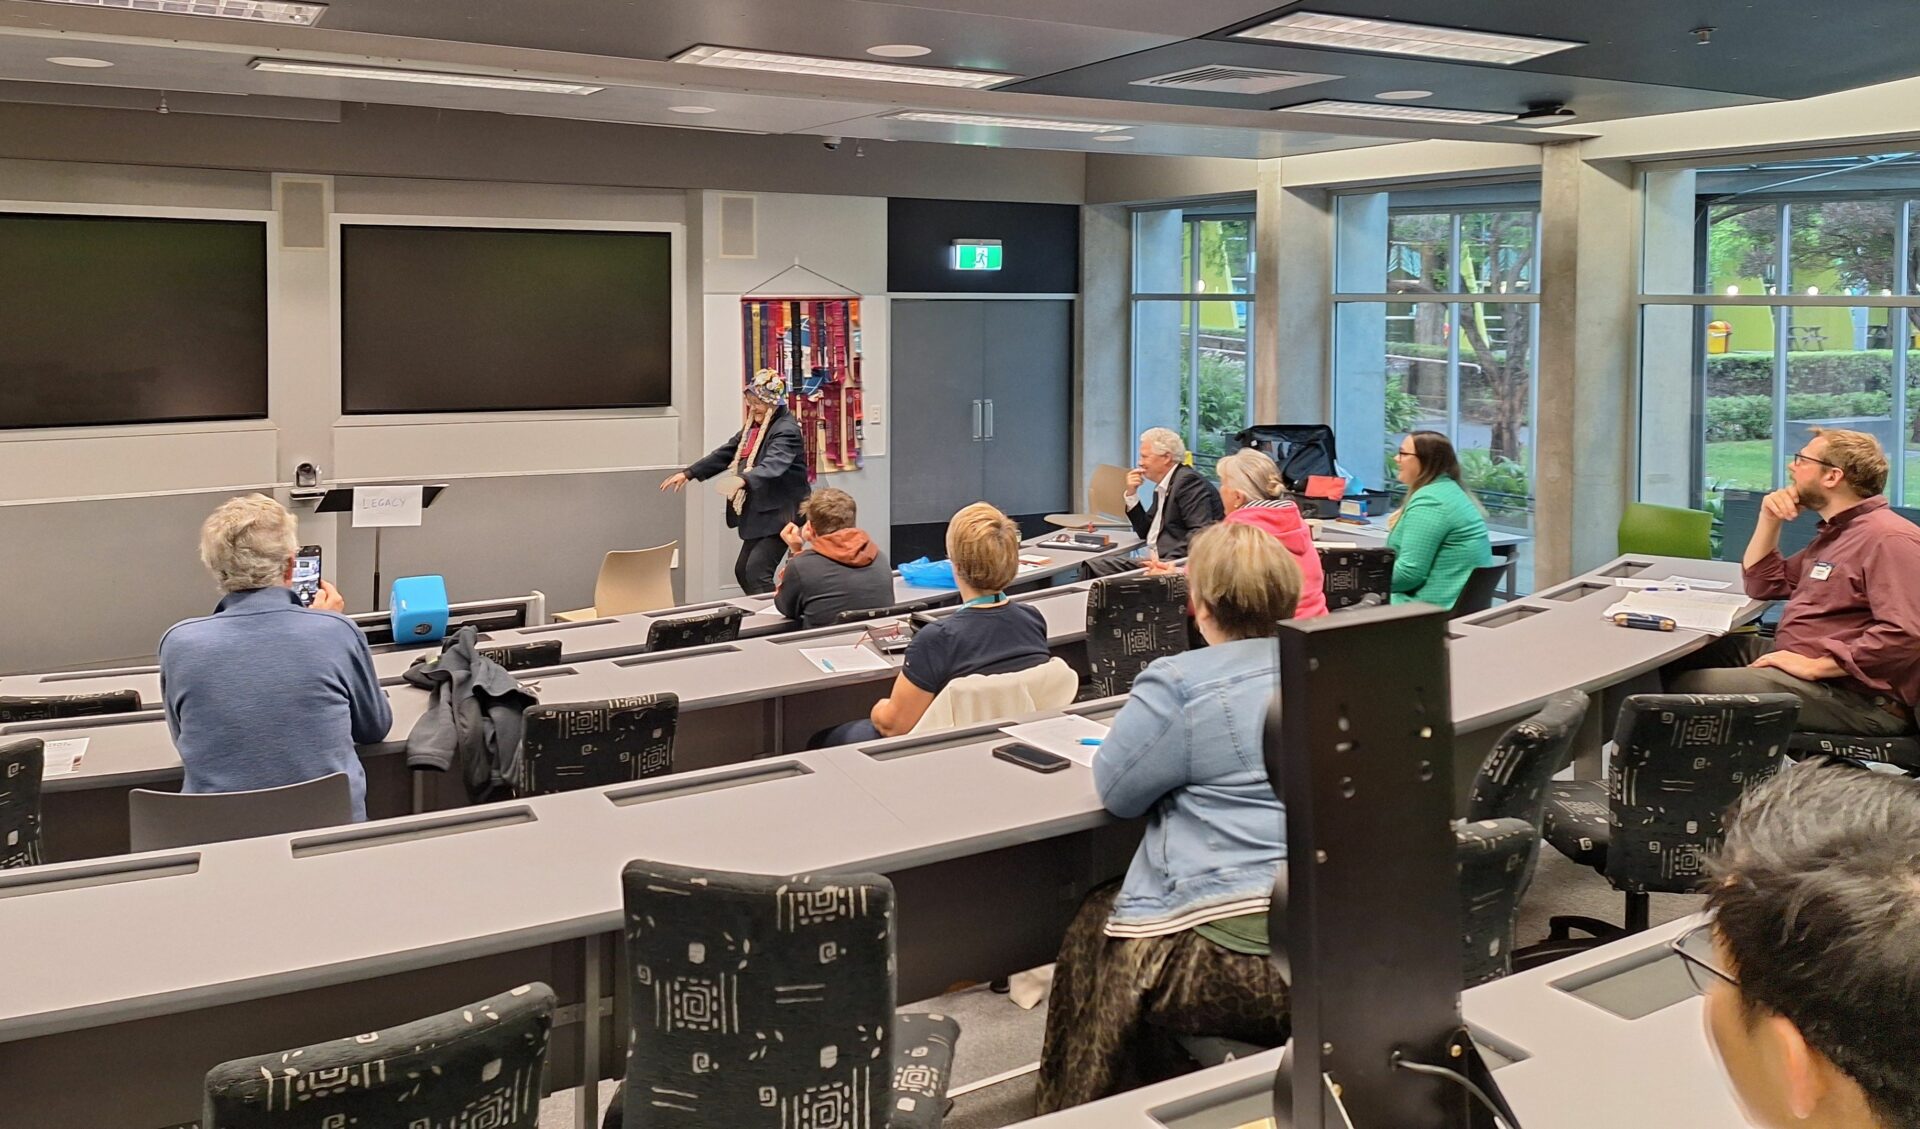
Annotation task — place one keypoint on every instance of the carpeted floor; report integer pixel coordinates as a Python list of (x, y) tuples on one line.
[(999, 1040)]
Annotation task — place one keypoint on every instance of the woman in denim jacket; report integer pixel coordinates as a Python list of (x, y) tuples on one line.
[(1180, 946)]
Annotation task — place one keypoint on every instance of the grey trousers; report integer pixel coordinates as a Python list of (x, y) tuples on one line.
[(1825, 707)]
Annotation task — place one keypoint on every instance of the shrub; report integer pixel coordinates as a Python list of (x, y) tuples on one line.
[(1738, 418), (1403, 407), (1501, 484), (1809, 371)]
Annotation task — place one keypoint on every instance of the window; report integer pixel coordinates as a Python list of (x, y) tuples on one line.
[(1192, 317), (1776, 297), (1435, 328)]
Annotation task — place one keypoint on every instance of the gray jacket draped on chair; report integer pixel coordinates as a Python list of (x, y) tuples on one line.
[(473, 717)]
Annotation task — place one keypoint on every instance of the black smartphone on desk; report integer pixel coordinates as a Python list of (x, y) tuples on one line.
[(306, 574), (1026, 756)]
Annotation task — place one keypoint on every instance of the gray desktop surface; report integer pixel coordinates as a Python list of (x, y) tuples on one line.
[(1579, 1066)]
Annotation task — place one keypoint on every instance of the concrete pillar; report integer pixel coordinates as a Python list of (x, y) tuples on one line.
[(1293, 306), (1101, 379), (1670, 353), (1360, 337), (1587, 360)]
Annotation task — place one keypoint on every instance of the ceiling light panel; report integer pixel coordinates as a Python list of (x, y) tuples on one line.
[(428, 78), (938, 117), (1399, 113), (1357, 33), (262, 11), (737, 59)]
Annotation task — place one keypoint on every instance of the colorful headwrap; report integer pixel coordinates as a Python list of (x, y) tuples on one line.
[(768, 387)]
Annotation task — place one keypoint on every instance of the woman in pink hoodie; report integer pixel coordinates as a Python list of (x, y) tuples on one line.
[(1254, 495)]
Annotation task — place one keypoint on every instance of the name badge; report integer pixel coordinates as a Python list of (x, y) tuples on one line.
[(1820, 571)]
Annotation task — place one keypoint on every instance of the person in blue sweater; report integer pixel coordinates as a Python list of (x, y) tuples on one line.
[(1180, 945), (265, 692)]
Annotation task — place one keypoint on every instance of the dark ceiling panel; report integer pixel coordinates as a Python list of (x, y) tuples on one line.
[(1503, 89), (1766, 48)]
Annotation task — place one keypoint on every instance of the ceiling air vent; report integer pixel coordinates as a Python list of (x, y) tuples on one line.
[(1233, 80)]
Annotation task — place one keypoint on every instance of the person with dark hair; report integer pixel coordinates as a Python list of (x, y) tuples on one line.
[(1848, 645), (764, 479), (1810, 963), (1438, 535)]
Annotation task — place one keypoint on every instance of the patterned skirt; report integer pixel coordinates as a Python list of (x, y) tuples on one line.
[(1118, 1004)]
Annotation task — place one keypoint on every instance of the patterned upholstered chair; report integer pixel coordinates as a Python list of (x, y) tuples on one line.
[(1131, 621), (1495, 859), (68, 705), (766, 1003), (478, 1065), (721, 625), (860, 615), (21, 766), (1679, 761), (1902, 753), (1512, 781), (571, 745), (1354, 574), (525, 656)]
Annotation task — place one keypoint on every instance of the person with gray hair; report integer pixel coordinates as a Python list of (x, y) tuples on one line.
[(1184, 502), (265, 692)]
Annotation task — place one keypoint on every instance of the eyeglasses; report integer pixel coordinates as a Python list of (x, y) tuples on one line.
[(1695, 950), (1802, 457), (1405, 454)]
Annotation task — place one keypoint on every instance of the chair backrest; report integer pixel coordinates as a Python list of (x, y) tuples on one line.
[(1679, 761), (1902, 753), (52, 706), (1131, 621), (978, 698), (1494, 857), (571, 745), (858, 615), (21, 765), (780, 988), (158, 820), (478, 1065), (1300, 450), (1354, 574), (1666, 531), (635, 580), (524, 656), (721, 625), (1107, 491), (1477, 594), (1512, 781)]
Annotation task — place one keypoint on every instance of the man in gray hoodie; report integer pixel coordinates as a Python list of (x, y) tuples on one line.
[(835, 566)]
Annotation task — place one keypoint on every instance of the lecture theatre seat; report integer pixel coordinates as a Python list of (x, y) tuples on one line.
[(785, 987), (1131, 621), (159, 820), (22, 764), (721, 625), (572, 745), (61, 706)]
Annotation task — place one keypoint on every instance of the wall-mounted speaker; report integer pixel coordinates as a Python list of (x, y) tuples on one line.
[(738, 236), (302, 205)]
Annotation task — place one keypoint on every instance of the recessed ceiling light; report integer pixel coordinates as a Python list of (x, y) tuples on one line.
[(77, 61), (1391, 37), (429, 78), (265, 11), (1399, 113), (1403, 95), (707, 56), (691, 109), (941, 117), (1114, 137), (899, 50)]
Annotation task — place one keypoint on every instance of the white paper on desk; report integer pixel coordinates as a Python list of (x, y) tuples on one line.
[(63, 757), (387, 505), (839, 660), (1060, 735), (1671, 582), (1696, 611)]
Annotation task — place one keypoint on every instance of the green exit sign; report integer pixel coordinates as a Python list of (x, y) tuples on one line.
[(976, 254)]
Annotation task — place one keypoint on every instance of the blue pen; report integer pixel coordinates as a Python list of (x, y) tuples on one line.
[(1090, 740), (826, 666)]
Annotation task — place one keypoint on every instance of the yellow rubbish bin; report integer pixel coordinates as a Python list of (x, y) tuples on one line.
[(1719, 336)]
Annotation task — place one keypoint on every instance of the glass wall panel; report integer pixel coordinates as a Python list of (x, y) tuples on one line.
[(1420, 253), (1743, 243), (1740, 371), (1497, 252)]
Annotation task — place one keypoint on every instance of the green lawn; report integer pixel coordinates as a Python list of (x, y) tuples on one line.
[(1748, 464)]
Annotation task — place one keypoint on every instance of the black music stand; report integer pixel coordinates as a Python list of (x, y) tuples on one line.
[(339, 500)]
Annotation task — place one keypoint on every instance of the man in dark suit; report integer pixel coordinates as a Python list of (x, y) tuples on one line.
[(1184, 502), (765, 480)]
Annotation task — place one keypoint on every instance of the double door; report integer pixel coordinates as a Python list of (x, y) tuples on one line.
[(982, 407)]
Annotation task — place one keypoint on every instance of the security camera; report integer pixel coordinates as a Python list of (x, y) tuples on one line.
[(831, 142)]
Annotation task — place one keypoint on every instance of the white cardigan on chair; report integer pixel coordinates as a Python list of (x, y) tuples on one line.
[(979, 698)]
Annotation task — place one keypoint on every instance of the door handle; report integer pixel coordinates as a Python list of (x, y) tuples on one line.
[(976, 420), (989, 419)]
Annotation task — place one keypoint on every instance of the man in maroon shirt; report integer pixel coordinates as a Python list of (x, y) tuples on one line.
[(1849, 642)]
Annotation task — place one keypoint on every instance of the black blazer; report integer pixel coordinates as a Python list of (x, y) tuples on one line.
[(1194, 505), (776, 484)]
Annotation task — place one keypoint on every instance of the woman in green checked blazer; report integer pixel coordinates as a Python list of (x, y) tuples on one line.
[(1439, 535)]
